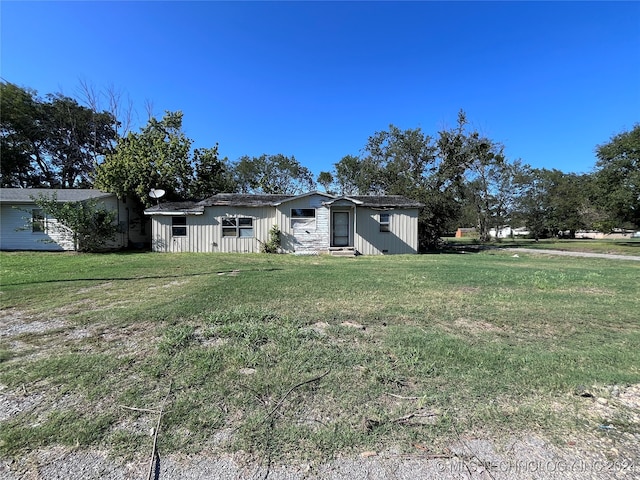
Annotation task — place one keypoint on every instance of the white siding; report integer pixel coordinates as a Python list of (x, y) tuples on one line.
[(402, 237), (16, 232), (304, 239)]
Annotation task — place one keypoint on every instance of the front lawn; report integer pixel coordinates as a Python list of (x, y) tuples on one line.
[(308, 357)]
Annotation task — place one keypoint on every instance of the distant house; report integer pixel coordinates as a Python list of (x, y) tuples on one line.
[(506, 232), (310, 223), (23, 225)]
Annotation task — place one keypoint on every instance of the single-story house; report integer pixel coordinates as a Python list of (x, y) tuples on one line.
[(506, 232), (24, 226), (314, 222)]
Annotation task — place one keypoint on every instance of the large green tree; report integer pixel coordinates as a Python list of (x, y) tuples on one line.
[(211, 174), (617, 178), (272, 174), (550, 202), (156, 157), (50, 142)]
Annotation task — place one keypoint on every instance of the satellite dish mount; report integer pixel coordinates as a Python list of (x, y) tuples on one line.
[(157, 193)]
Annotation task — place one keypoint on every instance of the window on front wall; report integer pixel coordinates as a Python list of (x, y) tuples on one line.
[(179, 226), (37, 221), (385, 222), (237, 227), (303, 218)]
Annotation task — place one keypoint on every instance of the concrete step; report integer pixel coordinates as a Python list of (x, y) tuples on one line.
[(342, 251)]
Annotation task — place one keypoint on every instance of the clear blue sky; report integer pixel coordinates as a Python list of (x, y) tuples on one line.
[(550, 80)]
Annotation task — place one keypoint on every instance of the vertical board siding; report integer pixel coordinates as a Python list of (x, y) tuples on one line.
[(204, 232), (402, 237)]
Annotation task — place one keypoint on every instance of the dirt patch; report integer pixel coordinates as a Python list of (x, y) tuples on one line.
[(14, 323), (525, 457), (14, 402), (102, 286)]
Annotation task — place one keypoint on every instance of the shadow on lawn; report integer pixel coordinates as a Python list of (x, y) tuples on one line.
[(144, 277)]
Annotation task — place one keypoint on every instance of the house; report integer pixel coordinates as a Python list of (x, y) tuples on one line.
[(310, 223), (506, 231), (23, 225)]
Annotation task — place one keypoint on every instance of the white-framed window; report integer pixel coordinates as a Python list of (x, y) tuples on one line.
[(303, 218), (38, 222), (237, 227), (385, 222), (179, 226)]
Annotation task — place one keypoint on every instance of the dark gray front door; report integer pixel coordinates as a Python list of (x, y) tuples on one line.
[(340, 229)]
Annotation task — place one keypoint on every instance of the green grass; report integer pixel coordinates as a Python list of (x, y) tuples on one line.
[(627, 246), (469, 343)]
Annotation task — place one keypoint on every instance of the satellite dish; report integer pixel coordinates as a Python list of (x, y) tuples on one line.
[(156, 193)]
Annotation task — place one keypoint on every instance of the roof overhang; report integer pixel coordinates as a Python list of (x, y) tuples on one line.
[(174, 212), (296, 197), (341, 201)]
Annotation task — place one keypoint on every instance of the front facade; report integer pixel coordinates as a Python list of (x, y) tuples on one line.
[(310, 223), (23, 225)]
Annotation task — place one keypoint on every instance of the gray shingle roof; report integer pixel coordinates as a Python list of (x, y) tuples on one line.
[(23, 195), (177, 207), (243, 200), (382, 201), (266, 200)]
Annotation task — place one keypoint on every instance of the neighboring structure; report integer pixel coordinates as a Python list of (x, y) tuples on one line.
[(314, 222), (23, 226), (466, 232), (506, 232), (616, 234)]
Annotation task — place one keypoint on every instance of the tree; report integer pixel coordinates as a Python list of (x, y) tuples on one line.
[(348, 175), (488, 184), (91, 225), (617, 178), (550, 201), (51, 142), (20, 138), (474, 172), (272, 174), (156, 157), (76, 139), (212, 175), (326, 180), (402, 158)]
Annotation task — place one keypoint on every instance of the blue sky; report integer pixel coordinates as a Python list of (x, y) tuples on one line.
[(549, 80)]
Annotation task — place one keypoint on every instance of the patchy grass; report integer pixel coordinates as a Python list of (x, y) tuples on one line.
[(307, 357), (624, 246)]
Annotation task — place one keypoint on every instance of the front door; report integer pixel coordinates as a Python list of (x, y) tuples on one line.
[(340, 229)]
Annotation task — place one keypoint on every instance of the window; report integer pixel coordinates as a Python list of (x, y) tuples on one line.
[(37, 221), (303, 218), (179, 226), (385, 219), (237, 227)]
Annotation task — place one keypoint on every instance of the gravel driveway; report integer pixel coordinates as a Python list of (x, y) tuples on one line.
[(610, 256)]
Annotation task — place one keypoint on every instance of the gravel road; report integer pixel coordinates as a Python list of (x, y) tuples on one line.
[(610, 256)]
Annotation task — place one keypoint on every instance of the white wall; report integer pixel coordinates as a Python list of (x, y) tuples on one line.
[(304, 239), (16, 232)]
